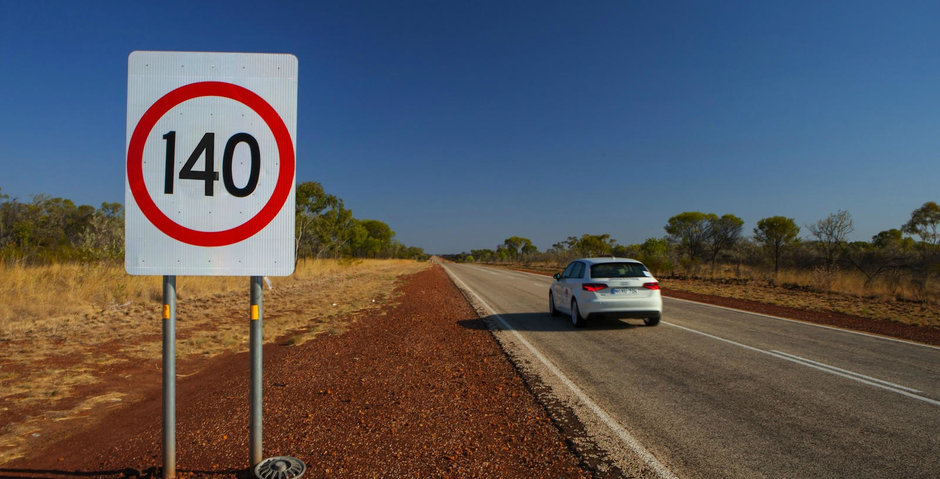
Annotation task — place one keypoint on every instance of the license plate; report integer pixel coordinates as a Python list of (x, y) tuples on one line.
[(623, 291)]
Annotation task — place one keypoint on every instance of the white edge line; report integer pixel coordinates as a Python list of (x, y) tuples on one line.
[(787, 357), (614, 426), (807, 323)]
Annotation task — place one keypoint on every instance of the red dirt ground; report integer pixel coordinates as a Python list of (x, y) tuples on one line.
[(415, 390)]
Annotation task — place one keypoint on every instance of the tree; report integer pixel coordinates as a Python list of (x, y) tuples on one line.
[(626, 251), (310, 201), (594, 245), (888, 251), (690, 230), (377, 242), (7, 213), (721, 234), (775, 234), (485, 255), (103, 237), (414, 252), (831, 232), (654, 253), (560, 248), (518, 247), (892, 238), (529, 249), (335, 229), (562, 251), (45, 230), (925, 222)]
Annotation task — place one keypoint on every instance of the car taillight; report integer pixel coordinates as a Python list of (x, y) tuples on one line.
[(593, 287), (651, 285)]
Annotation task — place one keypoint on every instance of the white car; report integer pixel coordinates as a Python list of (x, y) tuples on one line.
[(606, 287)]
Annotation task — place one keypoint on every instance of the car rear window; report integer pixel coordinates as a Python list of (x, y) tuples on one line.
[(619, 270)]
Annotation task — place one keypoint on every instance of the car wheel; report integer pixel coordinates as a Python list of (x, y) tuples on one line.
[(651, 321), (551, 304), (576, 319)]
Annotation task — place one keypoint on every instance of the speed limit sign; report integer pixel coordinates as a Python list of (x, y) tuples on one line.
[(211, 160)]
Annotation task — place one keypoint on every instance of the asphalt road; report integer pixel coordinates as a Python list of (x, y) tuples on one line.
[(713, 392)]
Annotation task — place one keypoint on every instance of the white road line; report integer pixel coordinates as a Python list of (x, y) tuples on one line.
[(805, 323), (845, 371), (904, 391), (611, 423)]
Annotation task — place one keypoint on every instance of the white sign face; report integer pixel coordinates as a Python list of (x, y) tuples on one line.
[(211, 160)]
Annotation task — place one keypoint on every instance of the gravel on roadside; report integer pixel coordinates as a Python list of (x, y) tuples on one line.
[(417, 389)]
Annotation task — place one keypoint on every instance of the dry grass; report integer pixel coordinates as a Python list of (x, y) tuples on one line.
[(894, 299), (41, 296), (51, 300), (66, 325), (891, 286)]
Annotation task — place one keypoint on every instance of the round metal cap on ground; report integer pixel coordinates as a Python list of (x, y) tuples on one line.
[(280, 467)]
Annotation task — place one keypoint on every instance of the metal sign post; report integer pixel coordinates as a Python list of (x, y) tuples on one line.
[(169, 377), (255, 344)]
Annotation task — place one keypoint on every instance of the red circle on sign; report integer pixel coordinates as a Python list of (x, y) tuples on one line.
[(282, 188)]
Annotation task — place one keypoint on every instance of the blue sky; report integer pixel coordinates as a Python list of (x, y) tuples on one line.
[(463, 123)]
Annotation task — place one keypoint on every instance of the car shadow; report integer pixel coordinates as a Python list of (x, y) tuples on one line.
[(544, 322)]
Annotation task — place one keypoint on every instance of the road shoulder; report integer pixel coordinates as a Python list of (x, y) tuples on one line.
[(419, 388), (597, 442)]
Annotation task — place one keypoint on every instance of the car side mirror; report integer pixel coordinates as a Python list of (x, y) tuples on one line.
[(557, 276)]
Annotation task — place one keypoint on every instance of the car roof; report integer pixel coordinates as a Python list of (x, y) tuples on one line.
[(608, 259)]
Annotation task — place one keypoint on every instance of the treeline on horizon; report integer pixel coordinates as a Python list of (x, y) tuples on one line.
[(699, 243), (50, 230)]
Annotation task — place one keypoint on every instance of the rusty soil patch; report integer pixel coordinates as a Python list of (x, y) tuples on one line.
[(417, 389), (52, 369)]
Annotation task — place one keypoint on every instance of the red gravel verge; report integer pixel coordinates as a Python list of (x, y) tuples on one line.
[(420, 389)]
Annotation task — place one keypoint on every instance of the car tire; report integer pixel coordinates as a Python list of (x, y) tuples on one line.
[(551, 304), (576, 319), (652, 321)]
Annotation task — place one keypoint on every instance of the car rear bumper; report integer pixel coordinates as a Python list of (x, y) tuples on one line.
[(651, 307)]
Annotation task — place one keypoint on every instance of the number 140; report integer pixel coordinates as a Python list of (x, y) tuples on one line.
[(209, 175)]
